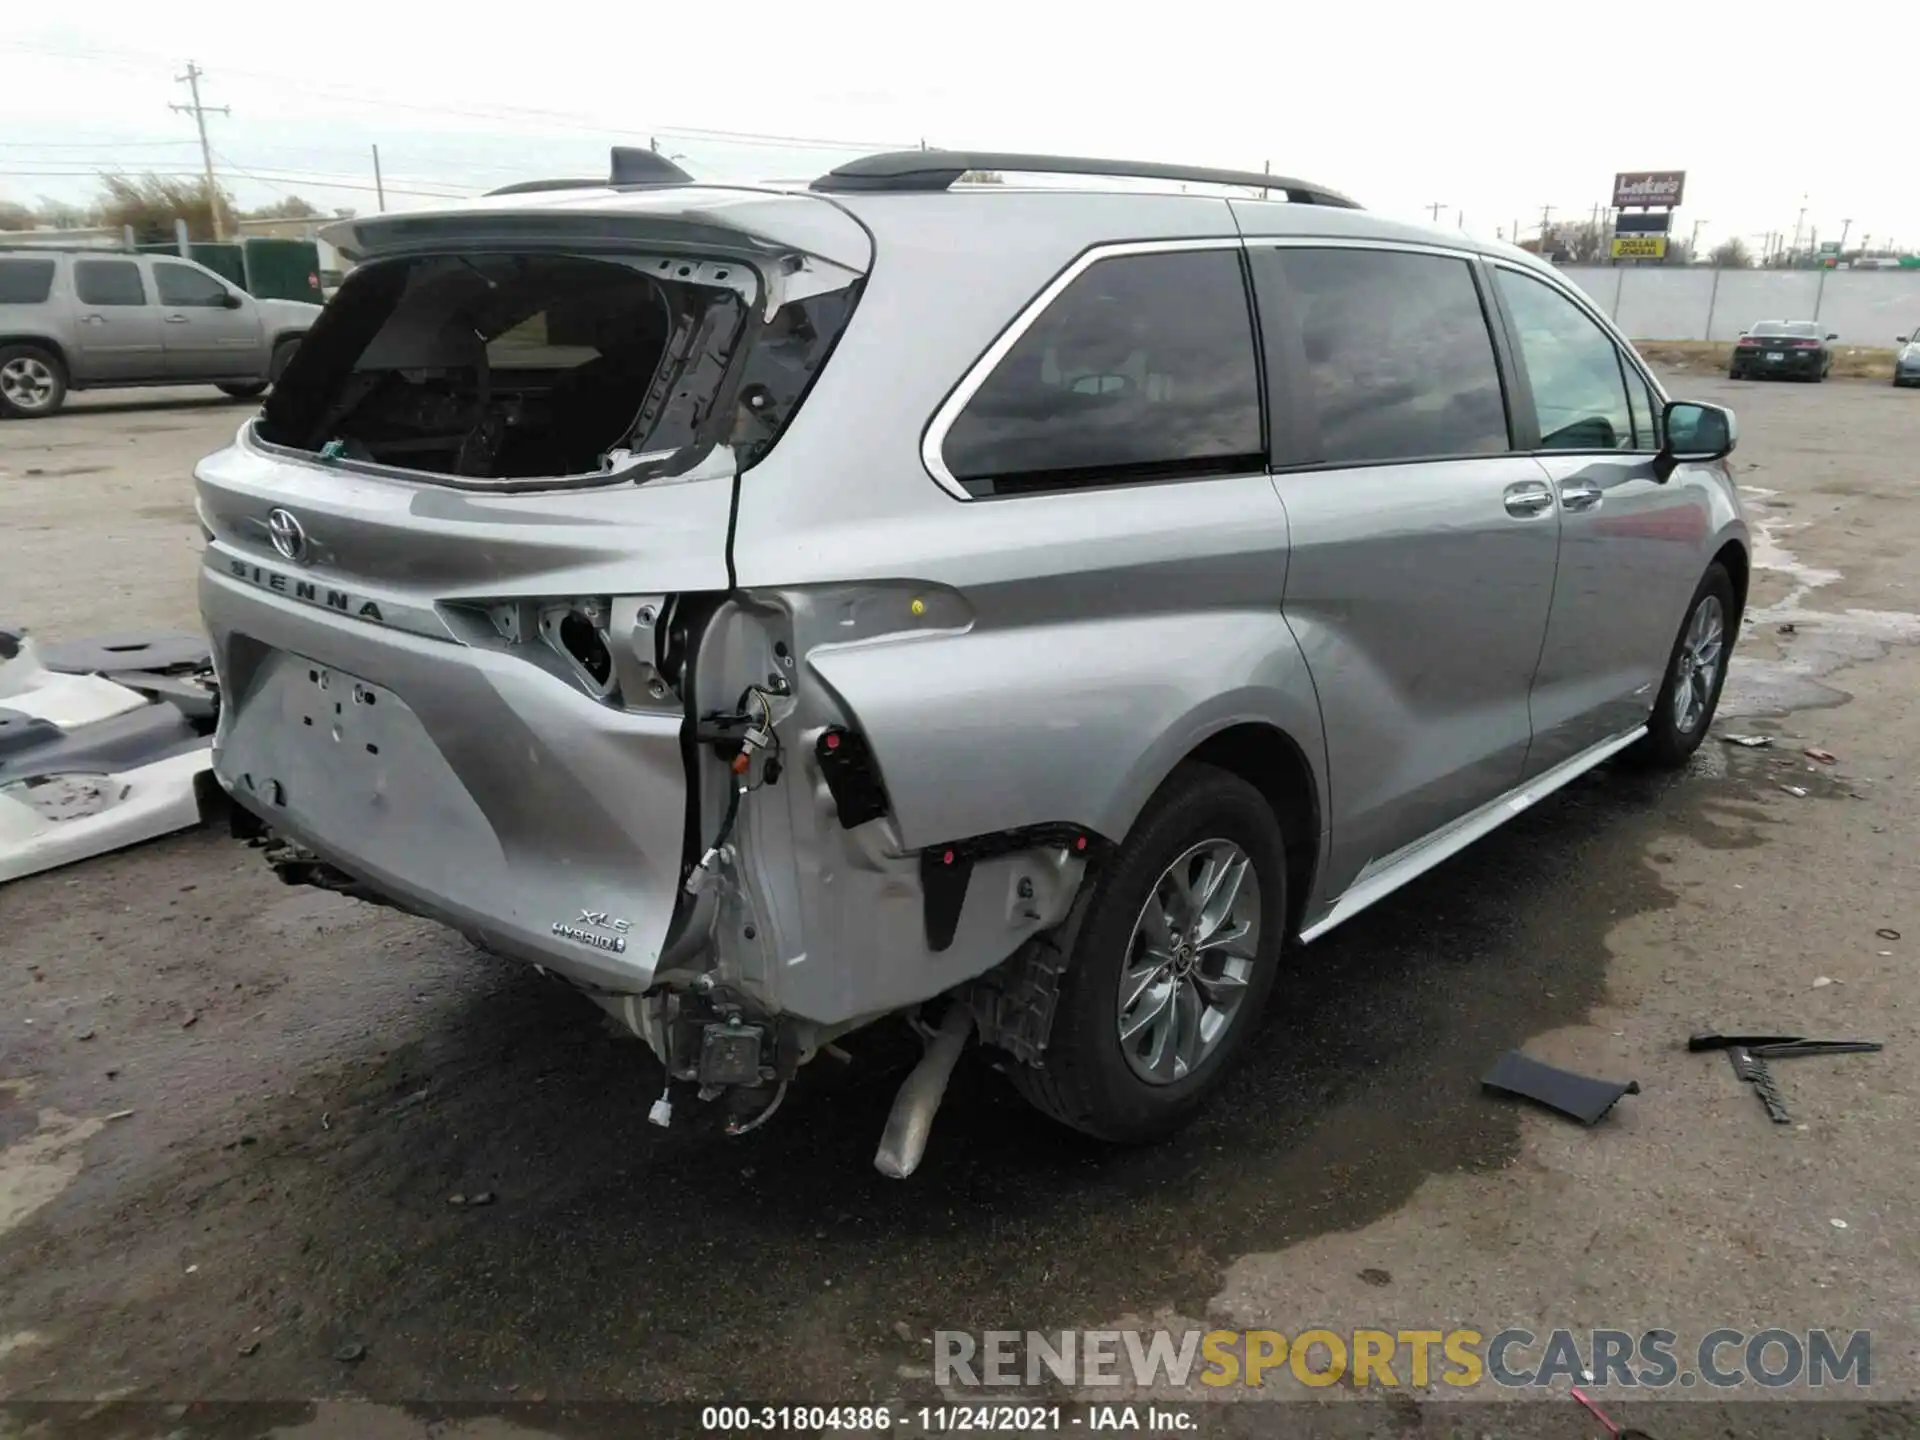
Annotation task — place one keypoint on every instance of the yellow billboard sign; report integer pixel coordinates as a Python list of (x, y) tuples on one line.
[(1639, 247)]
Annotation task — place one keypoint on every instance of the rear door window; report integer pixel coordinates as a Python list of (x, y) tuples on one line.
[(185, 286), (1394, 349), (108, 282), (25, 282), (1579, 391), (1142, 368)]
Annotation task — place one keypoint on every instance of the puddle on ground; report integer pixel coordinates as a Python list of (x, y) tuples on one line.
[(1820, 642)]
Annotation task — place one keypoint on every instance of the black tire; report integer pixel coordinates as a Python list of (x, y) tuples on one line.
[(33, 382), (1736, 375), (1087, 1081), (282, 353), (1668, 745), (244, 392)]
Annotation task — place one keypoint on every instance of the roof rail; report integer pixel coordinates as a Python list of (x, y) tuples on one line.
[(630, 166), (926, 170), (62, 247), (529, 187)]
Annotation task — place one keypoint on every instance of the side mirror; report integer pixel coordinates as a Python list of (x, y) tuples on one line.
[(230, 301), (1900, 339), (1695, 433), (1833, 336)]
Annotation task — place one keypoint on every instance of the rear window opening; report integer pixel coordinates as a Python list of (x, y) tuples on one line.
[(524, 370)]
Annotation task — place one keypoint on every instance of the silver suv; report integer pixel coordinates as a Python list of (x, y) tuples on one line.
[(82, 320), (1023, 610)]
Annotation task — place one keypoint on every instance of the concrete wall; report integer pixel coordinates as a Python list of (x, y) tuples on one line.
[(1674, 302)]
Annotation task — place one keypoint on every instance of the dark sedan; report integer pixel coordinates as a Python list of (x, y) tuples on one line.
[(1782, 347)]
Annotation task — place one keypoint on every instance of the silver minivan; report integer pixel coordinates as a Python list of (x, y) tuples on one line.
[(1021, 609)]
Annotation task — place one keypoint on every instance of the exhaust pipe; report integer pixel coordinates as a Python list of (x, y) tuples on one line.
[(910, 1122)]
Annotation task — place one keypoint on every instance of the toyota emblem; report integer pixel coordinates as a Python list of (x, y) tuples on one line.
[(288, 535)]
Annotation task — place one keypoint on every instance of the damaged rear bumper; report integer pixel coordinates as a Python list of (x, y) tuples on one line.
[(463, 784)]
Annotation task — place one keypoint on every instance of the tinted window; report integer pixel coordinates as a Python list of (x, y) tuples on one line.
[(25, 282), (184, 285), (1578, 391), (108, 282), (1142, 367), (1399, 360)]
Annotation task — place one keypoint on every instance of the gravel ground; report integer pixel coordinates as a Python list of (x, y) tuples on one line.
[(302, 1083)]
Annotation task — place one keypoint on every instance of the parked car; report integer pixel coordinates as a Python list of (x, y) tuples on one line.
[(1906, 360), (673, 588), (91, 319), (1782, 347)]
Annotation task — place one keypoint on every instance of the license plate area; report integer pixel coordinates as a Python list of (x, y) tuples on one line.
[(346, 712), (351, 766), (1776, 355)]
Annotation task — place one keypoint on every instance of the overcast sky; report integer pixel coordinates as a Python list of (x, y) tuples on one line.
[(1494, 109)]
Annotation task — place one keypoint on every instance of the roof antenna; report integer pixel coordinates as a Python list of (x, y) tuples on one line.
[(633, 165)]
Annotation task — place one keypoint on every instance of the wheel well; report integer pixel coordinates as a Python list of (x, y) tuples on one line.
[(1733, 559), (1267, 758), (40, 342)]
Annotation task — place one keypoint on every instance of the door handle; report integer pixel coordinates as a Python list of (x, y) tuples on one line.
[(1581, 497), (176, 319), (1528, 499), (93, 319)]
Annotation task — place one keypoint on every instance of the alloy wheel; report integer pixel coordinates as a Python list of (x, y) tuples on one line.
[(1697, 666), (1189, 961), (27, 383)]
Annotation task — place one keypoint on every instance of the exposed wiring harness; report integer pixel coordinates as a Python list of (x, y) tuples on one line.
[(738, 1128), (760, 736)]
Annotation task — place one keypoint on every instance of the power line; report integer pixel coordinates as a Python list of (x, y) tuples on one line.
[(317, 182), (573, 120), (90, 144)]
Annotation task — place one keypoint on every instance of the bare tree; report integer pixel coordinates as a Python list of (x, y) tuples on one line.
[(1579, 242), (1732, 255), (15, 217), (64, 215), (151, 203), (291, 208)]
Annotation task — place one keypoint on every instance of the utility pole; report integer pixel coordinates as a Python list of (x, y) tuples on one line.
[(379, 187), (199, 112), (1845, 226), (1434, 210), (1798, 221), (1693, 245), (1459, 219)]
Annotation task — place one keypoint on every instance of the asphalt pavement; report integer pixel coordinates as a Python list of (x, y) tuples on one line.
[(234, 1117)]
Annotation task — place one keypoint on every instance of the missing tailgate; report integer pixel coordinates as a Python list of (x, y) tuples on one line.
[(529, 370)]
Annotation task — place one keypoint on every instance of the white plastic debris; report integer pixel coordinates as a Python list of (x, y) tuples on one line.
[(1837, 1223)]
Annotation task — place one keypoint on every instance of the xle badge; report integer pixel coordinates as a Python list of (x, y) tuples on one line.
[(596, 928)]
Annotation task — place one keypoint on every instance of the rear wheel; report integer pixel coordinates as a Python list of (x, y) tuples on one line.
[(33, 382), (243, 392), (1696, 672), (1172, 963)]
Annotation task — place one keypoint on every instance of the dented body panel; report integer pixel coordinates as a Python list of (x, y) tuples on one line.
[(703, 744)]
